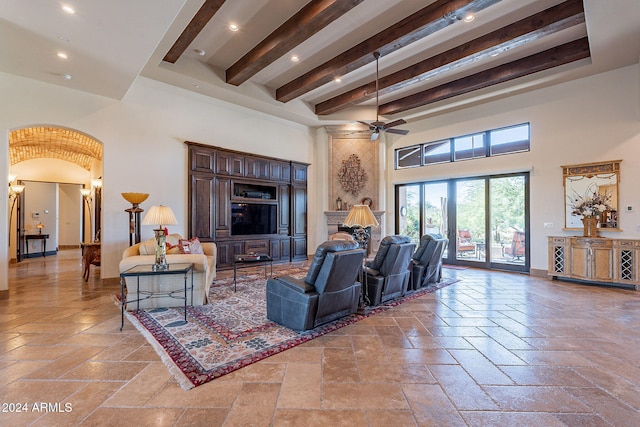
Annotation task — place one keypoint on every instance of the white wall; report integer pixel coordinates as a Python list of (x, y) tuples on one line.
[(588, 120), (144, 150), (592, 119)]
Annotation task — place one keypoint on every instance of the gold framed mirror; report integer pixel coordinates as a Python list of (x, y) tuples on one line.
[(583, 180)]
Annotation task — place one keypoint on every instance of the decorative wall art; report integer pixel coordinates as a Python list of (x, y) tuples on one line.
[(352, 176)]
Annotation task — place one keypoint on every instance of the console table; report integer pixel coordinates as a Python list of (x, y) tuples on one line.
[(595, 259), (42, 237)]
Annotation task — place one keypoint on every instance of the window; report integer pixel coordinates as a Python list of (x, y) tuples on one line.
[(509, 140), (469, 147), (408, 157), (437, 152), (494, 142)]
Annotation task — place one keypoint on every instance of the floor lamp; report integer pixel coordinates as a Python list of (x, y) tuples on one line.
[(360, 216), (14, 192)]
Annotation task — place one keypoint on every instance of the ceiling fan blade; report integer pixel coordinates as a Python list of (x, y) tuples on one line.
[(397, 131), (395, 123), (365, 123), (374, 135)]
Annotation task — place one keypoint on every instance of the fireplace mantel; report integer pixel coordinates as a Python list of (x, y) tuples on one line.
[(336, 219)]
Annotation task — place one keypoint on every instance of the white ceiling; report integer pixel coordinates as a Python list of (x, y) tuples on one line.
[(110, 43)]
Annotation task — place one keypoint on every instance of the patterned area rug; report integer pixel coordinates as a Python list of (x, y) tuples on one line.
[(231, 331)]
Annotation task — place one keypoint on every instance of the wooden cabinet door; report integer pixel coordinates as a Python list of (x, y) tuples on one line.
[(202, 159), (580, 262), (202, 206), (298, 210), (222, 212), (602, 263), (283, 210), (229, 164)]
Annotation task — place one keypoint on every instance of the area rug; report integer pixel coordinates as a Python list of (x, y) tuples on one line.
[(231, 331)]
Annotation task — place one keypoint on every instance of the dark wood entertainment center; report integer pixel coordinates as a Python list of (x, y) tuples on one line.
[(247, 203)]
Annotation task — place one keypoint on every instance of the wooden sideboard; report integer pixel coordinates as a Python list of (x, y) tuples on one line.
[(595, 259)]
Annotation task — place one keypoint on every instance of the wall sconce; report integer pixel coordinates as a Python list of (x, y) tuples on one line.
[(96, 183)]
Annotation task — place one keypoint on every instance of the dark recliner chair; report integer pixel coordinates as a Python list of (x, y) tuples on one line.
[(330, 290), (388, 274), (426, 262)]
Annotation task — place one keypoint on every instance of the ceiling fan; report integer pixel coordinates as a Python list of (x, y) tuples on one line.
[(378, 126)]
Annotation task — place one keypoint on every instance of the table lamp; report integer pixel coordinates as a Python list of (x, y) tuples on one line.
[(361, 216), (160, 215)]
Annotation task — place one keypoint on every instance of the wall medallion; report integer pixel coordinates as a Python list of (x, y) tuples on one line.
[(352, 176)]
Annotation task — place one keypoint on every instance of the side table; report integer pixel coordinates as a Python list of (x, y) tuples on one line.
[(250, 260), (147, 270)]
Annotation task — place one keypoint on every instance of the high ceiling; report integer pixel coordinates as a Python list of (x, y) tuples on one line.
[(431, 59)]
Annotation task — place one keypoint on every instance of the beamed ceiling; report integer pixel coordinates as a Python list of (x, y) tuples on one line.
[(431, 59)]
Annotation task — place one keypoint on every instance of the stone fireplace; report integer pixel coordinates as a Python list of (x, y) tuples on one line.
[(335, 221)]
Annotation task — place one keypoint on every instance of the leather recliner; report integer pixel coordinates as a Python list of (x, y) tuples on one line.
[(426, 262), (328, 292), (387, 276)]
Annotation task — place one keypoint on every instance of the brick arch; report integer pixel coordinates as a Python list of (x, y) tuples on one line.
[(55, 142)]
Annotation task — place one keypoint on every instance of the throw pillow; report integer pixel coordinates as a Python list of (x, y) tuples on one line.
[(148, 247), (173, 249), (191, 246)]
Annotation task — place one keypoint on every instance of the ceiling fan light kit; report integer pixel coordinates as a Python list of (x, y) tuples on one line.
[(379, 126)]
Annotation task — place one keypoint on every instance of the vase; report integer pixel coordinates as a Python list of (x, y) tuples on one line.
[(590, 224)]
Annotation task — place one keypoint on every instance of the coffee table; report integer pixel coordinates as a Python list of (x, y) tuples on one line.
[(250, 260), (148, 270)]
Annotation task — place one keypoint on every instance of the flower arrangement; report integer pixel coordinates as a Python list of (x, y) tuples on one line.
[(591, 203)]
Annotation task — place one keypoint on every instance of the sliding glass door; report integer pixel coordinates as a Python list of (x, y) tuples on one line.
[(485, 218)]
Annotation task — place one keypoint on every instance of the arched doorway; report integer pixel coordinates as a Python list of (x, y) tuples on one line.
[(54, 154)]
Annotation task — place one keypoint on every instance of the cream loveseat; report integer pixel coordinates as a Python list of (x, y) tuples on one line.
[(204, 272)]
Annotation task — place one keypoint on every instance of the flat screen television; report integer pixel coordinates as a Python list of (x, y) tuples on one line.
[(254, 218)]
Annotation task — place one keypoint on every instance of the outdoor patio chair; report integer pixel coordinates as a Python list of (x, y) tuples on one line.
[(516, 249), (464, 244)]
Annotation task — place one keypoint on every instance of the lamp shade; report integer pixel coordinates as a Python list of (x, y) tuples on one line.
[(159, 215), (361, 216)]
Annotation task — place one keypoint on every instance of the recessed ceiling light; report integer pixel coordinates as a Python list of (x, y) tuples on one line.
[(62, 55), (68, 9), (295, 58), (200, 52), (337, 80), (495, 54), (66, 76), (233, 27), (469, 18)]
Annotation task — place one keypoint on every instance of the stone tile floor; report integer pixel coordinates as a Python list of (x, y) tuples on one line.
[(495, 349)]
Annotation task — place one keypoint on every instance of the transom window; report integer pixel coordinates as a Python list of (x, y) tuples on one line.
[(494, 142)]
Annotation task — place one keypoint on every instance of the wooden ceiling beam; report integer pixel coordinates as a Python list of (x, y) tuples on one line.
[(560, 55), (426, 21), (534, 27), (197, 24), (312, 18)]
